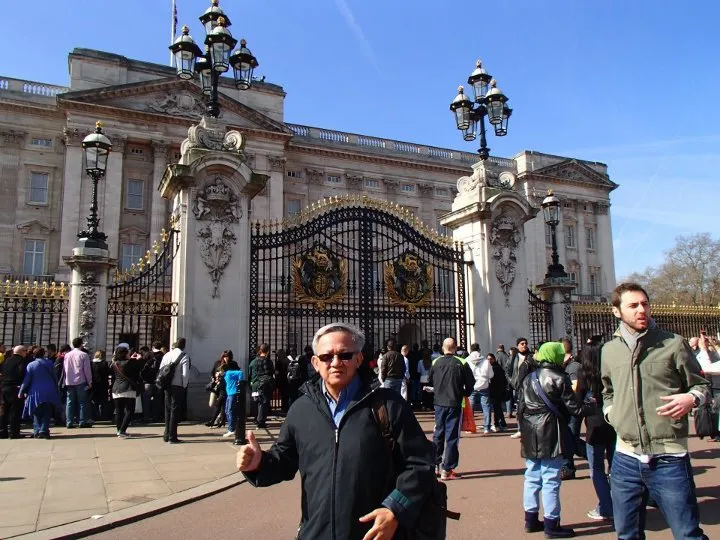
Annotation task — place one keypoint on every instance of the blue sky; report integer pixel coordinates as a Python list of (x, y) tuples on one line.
[(630, 84)]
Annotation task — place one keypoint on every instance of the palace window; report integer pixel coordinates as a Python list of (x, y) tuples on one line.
[(570, 236), (38, 188), (567, 204), (135, 190), (42, 142), (137, 151), (292, 174), (442, 192), (371, 183), (590, 237), (293, 207), (332, 179), (34, 257), (408, 188), (594, 289), (131, 254)]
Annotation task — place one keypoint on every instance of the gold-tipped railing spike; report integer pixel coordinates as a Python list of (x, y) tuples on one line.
[(164, 235), (156, 248), (45, 289), (35, 288), (63, 290), (7, 287), (141, 264)]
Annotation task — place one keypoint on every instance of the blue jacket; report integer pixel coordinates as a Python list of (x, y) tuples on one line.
[(233, 379), (40, 385)]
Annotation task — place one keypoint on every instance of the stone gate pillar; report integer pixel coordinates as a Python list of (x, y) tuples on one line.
[(87, 317), (210, 192), (557, 291), (488, 218)]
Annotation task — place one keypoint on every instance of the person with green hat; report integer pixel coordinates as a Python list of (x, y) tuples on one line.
[(546, 401)]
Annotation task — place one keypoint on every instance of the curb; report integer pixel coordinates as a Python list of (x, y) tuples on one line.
[(111, 520)]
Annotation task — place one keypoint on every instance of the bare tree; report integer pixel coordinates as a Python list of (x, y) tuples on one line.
[(690, 274)]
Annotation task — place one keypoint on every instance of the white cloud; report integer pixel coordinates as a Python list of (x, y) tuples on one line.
[(358, 31)]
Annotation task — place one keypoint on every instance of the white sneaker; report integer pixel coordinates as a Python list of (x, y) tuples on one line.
[(228, 434), (493, 429), (516, 435)]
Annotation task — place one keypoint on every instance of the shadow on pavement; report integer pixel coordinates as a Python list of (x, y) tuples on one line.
[(706, 453), (490, 473), (591, 528), (11, 478)]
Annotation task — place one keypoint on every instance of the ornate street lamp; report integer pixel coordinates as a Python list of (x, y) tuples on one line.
[(551, 213), (97, 148), (488, 102), (217, 58)]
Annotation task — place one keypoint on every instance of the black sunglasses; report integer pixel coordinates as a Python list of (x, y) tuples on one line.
[(344, 356)]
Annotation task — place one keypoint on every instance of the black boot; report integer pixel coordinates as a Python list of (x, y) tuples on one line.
[(532, 523), (554, 530)]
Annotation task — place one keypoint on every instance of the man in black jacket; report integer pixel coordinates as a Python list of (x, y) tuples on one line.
[(452, 381), (392, 368), (349, 490), (13, 373)]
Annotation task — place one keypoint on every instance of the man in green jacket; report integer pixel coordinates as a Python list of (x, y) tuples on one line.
[(261, 374), (651, 381)]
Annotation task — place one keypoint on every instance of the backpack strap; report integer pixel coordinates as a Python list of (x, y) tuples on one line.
[(382, 419)]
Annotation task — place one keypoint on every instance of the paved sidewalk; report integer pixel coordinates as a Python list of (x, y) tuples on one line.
[(81, 473)]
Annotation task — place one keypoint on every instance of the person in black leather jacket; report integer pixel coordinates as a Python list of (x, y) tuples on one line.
[(539, 380)]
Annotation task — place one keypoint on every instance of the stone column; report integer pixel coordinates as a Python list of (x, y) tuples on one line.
[(87, 317), (211, 190), (603, 236), (112, 200), (582, 252), (158, 205), (558, 291), (73, 211), (489, 221)]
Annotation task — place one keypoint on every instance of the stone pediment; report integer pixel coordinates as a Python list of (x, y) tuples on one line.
[(34, 226), (169, 99), (574, 171)]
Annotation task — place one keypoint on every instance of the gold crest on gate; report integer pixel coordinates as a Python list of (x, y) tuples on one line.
[(319, 277), (409, 282)]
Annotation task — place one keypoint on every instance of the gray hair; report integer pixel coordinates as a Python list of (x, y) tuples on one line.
[(356, 334)]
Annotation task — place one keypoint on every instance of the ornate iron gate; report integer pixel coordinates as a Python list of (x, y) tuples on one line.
[(358, 260), (540, 320), (34, 313), (140, 309)]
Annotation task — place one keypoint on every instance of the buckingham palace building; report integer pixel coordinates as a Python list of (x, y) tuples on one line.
[(146, 111)]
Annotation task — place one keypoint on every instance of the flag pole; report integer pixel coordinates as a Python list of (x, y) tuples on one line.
[(173, 31)]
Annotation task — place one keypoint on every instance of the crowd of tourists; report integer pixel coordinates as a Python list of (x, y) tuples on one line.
[(67, 387)]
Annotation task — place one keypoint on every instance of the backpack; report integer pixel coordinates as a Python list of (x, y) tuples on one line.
[(166, 373), (431, 523)]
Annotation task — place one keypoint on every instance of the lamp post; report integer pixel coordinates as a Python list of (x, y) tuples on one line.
[(97, 148), (217, 58), (551, 213), (488, 102)]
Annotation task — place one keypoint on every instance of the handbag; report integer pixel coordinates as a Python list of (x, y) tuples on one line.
[(597, 430), (212, 399), (706, 419)]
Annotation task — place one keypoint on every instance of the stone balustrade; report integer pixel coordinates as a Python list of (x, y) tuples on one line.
[(8, 84), (389, 146)]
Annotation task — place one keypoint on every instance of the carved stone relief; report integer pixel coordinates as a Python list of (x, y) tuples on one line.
[(218, 205), (181, 104), (505, 239), (314, 176), (210, 135), (354, 181), (88, 309), (277, 163), (12, 137), (390, 185), (568, 313)]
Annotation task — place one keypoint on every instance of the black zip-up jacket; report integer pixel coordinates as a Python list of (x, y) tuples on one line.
[(344, 470), (540, 428), (13, 371), (130, 377), (452, 381)]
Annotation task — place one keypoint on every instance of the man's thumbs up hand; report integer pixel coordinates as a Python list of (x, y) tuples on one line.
[(249, 455)]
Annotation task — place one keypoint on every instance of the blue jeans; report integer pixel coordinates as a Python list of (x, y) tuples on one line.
[(509, 402), (230, 410), (486, 405), (446, 436), (596, 454), (393, 384), (542, 475), (669, 481), (77, 397), (41, 419)]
